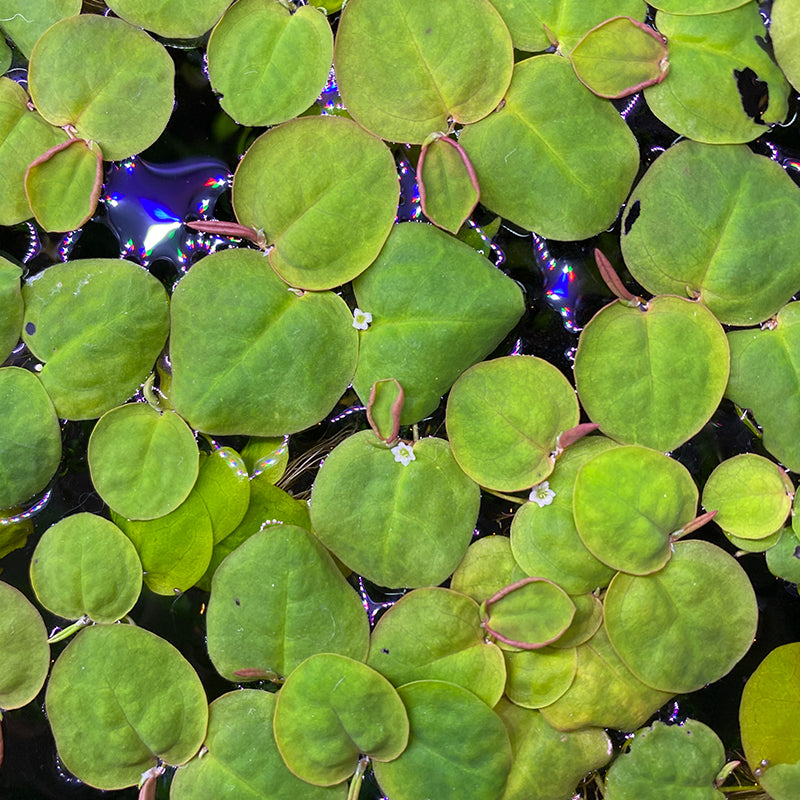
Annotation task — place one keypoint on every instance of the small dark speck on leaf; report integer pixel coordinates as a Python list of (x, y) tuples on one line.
[(753, 92), (427, 30), (384, 650), (236, 600), (632, 216), (30, 328)]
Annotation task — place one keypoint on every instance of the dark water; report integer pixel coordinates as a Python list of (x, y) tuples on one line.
[(185, 176)]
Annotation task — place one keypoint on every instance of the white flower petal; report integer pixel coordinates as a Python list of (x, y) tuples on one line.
[(403, 453)]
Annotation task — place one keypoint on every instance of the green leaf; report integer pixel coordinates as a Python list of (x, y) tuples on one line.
[(783, 558), (401, 78), (588, 618), (751, 495), (24, 652), (29, 426), (604, 693), (765, 378), (784, 32), (143, 463), (550, 760), (266, 458), (278, 599), (397, 524), (661, 624), (249, 356), (436, 634), (325, 194), (63, 185), (332, 709), (531, 613), (504, 418), (487, 567), (172, 19), (524, 154), (782, 781), (24, 136), (175, 548), (533, 23), (461, 735), (652, 376), (628, 503), (26, 20), (84, 565), (224, 487), (619, 57), (448, 188), (740, 203), (75, 80), (701, 99), (693, 7), (99, 325), (538, 678), (544, 539), (119, 700), (240, 759), (269, 65), (668, 761), (5, 57), (437, 307), (11, 307)]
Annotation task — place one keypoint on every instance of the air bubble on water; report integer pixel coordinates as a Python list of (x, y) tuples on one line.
[(329, 100), (29, 512), (561, 289), (409, 207)]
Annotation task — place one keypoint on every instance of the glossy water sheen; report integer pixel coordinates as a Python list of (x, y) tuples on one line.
[(147, 206)]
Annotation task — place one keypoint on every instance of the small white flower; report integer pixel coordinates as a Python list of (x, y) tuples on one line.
[(404, 453), (361, 319), (542, 494)]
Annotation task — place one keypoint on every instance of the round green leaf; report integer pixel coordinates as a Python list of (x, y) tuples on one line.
[(448, 188), (754, 545), (524, 154), (538, 678), (744, 204), (765, 378), (26, 20), (224, 487), (784, 31), (652, 376), (332, 709), (29, 426), (63, 185), (11, 307), (552, 761), (619, 57), (175, 549), (695, 7), (24, 136), (24, 651), (459, 734), (628, 502), (531, 613), (769, 709), (240, 759), (436, 634), (661, 624), (75, 79), (668, 761), (99, 325), (782, 781), (487, 566), (401, 78), (437, 308), (604, 692), (118, 700), (269, 65), (251, 357), (783, 558), (172, 19), (751, 495), (324, 192), (84, 565), (708, 55), (269, 505), (143, 463), (278, 599), (537, 24), (504, 418), (395, 523), (266, 458), (544, 539)]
